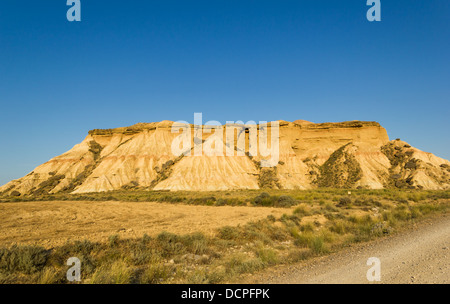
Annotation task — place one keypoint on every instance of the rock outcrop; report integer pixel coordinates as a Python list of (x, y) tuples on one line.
[(351, 154)]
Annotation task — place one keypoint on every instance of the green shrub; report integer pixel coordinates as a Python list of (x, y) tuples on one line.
[(381, 228), (141, 255), (118, 273), (267, 256), (317, 245), (157, 273), (167, 237), (25, 259), (146, 239), (297, 255), (199, 276), (307, 227), (15, 193), (170, 244), (241, 263), (195, 243), (331, 207), (344, 201), (304, 239), (229, 233), (51, 276), (113, 240), (271, 218), (302, 210), (285, 201), (340, 227), (264, 199)]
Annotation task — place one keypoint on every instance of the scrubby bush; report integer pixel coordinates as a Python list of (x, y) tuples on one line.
[(302, 210), (242, 263), (344, 201), (170, 244), (156, 273), (265, 200), (15, 193), (25, 259), (195, 243), (285, 201), (113, 240), (267, 256), (228, 233), (118, 273)]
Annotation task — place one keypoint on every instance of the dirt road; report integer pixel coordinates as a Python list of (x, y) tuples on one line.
[(420, 255)]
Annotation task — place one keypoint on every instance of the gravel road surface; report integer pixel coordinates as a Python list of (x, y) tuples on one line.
[(420, 255)]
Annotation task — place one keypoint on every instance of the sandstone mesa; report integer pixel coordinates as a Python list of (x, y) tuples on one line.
[(352, 154)]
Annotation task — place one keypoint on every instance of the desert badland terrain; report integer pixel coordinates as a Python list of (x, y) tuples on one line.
[(134, 212), (333, 155)]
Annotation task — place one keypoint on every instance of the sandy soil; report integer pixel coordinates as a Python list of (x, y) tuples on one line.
[(53, 223), (419, 255)]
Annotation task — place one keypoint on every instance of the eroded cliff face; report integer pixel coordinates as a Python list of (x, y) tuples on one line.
[(339, 155)]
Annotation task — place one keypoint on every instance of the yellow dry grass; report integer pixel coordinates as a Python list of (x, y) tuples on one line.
[(51, 224)]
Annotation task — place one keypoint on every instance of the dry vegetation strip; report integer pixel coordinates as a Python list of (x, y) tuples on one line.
[(51, 224), (320, 222)]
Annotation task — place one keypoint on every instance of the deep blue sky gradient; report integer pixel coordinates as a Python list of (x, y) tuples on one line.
[(144, 61)]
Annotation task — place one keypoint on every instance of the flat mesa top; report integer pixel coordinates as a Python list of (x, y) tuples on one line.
[(298, 123)]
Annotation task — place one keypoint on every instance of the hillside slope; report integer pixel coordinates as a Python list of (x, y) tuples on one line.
[(338, 155)]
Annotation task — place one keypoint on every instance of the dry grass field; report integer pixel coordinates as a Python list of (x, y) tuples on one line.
[(51, 224), (212, 237)]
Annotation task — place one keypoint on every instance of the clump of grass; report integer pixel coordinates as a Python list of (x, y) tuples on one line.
[(285, 201), (268, 256), (330, 207), (328, 236), (25, 259), (7, 278), (118, 273), (345, 201), (228, 233), (313, 241), (294, 231), (362, 230), (381, 228), (302, 210), (304, 239), (77, 248), (340, 227), (113, 240), (308, 227), (402, 214), (271, 218), (157, 273), (241, 263), (170, 244), (143, 254), (265, 200), (195, 243), (146, 239), (317, 245), (217, 275), (50, 276), (425, 209), (198, 276), (290, 220), (297, 255), (167, 237), (255, 232)]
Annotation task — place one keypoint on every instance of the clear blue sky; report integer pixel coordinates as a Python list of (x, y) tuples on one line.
[(144, 61)]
